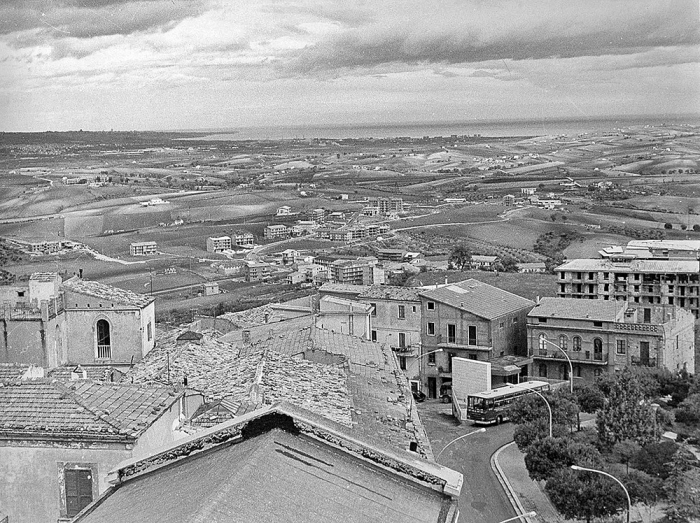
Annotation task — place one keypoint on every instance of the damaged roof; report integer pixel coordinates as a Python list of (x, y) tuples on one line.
[(107, 292)]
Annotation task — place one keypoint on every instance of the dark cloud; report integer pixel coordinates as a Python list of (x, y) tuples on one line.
[(472, 32), (87, 19)]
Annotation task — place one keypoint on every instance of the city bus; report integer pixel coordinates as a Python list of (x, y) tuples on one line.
[(491, 406)]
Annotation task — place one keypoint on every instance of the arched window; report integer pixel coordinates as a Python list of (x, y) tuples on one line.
[(542, 341), (597, 373), (543, 370), (563, 342), (597, 349), (104, 340), (577, 343)]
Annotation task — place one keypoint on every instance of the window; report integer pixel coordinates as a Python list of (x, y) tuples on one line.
[(149, 329), (402, 312), (472, 335), (431, 305), (431, 358), (78, 488), (542, 343), (501, 325), (542, 320), (374, 335), (621, 347), (597, 323), (413, 309), (104, 340), (543, 370), (20, 294), (563, 342), (374, 309), (577, 343), (515, 320), (402, 340), (431, 328), (402, 362)]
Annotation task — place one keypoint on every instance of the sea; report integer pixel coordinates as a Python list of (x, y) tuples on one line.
[(494, 128)]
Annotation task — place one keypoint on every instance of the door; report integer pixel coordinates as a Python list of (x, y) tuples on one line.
[(644, 352), (432, 388), (402, 340), (451, 333), (647, 315), (598, 349)]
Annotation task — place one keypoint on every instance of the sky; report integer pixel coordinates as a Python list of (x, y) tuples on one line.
[(194, 64)]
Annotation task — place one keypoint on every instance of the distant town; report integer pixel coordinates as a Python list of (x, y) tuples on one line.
[(393, 328)]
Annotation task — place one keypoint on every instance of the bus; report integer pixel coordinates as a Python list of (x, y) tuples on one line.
[(491, 406)]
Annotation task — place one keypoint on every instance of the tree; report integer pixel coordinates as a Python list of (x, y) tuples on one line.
[(626, 414), (509, 264), (683, 488), (696, 227), (545, 456), (584, 495), (460, 256), (625, 451), (689, 410), (589, 397), (531, 408), (668, 225), (642, 487), (655, 458), (527, 433)]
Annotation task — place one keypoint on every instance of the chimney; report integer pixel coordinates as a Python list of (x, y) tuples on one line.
[(537, 300), (78, 373), (267, 317), (445, 280)]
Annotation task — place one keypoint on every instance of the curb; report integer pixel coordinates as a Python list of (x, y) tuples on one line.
[(510, 493)]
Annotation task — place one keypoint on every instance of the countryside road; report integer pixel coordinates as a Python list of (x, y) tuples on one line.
[(482, 499)]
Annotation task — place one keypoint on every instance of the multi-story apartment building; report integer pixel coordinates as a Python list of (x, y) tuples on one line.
[(386, 205), (142, 248), (219, 243), (600, 337), (257, 271), (241, 238), (350, 271), (473, 320), (272, 232), (645, 282)]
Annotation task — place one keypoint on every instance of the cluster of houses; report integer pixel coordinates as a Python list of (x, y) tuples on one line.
[(111, 418)]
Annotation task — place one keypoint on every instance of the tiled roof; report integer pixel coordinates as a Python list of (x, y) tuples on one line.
[(80, 409), (570, 308), (44, 276), (217, 370), (107, 292), (343, 288), (12, 371), (651, 266), (478, 298), (351, 305), (94, 373), (390, 292)]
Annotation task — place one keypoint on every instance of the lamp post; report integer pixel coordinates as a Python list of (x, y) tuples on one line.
[(457, 439), (629, 501), (526, 515), (549, 408), (571, 366)]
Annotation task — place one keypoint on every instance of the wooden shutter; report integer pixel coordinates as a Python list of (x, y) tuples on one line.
[(78, 490)]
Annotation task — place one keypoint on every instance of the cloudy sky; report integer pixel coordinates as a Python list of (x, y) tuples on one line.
[(188, 64)]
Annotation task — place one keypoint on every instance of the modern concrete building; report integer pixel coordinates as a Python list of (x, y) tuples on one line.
[(219, 243), (272, 232), (242, 238), (143, 248), (603, 337)]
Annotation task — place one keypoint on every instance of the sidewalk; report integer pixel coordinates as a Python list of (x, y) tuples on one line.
[(512, 463)]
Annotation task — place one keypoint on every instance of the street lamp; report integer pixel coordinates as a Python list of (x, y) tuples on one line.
[(531, 514), (549, 408), (629, 501), (457, 439), (571, 366)]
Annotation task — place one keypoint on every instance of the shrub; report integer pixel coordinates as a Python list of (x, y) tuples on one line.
[(668, 226)]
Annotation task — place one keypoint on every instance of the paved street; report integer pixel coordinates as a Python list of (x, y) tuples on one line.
[(482, 499)]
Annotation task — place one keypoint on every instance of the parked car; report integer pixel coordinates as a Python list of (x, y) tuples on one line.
[(446, 392), (419, 396)]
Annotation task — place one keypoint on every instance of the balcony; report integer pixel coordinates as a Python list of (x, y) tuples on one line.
[(643, 362), (104, 352), (407, 350), (456, 342), (584, 356)]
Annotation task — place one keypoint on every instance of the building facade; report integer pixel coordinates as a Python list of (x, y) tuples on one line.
[(143, 248), (472, 320), (272, 232), (219, 243), (605, 337)]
